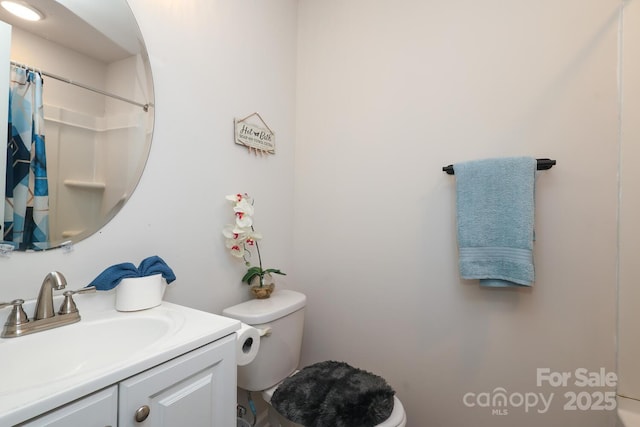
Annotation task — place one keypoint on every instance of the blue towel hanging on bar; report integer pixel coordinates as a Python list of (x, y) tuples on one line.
[(495, 219)]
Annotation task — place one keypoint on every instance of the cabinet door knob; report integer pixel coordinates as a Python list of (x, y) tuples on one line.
[(142, 413)]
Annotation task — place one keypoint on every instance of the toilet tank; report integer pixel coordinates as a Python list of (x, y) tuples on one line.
[(279, 352)]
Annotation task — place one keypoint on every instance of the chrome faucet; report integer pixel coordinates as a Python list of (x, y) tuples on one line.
[(44, 317)]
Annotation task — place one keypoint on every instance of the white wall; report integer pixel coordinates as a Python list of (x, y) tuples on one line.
[(629, 317), (388, 93), (212, 61)]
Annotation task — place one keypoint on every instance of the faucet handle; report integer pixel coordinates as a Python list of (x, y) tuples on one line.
[(14, 302), (17, 315), (68, 306)]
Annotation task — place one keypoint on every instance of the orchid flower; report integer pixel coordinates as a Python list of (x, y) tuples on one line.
[(252, 238), (241, 236), (236, 250), (237, 197), (234, 233), (244, 212)]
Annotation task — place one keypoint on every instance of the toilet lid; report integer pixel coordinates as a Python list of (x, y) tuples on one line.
[(396, 419)]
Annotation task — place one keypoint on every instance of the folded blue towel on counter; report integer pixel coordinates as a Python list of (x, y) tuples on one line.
[(112, 276), (495, 215)]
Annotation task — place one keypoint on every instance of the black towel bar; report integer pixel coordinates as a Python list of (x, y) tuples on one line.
[(543, 164)]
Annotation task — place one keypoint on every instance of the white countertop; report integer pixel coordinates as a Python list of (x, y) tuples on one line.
[(44, 370)]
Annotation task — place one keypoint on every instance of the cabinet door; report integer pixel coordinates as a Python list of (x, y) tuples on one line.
[(99, 409), (197, 389)]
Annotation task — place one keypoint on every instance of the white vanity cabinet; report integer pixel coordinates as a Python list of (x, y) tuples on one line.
[(197, 389), (99, 409), (111, 367)]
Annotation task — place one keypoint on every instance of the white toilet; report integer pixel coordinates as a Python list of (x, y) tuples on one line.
[(281, 317)]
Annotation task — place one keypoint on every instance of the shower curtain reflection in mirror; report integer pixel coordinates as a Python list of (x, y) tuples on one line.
[(26, 217)]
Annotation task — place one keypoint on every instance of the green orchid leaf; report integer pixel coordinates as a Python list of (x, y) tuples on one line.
[(250, 275), (255, 270), (275, 270)]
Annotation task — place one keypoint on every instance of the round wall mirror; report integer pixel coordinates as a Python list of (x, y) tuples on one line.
[(94, 117)]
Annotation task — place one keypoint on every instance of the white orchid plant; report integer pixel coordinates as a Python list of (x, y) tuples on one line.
[(241, 237)]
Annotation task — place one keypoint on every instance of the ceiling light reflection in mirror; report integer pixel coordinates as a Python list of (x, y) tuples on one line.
[(22, 10)]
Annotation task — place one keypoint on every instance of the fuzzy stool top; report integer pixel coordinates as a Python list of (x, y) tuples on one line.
[(334, 394)]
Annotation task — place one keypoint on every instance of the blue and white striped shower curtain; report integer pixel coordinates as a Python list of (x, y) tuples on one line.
[(26, 217)]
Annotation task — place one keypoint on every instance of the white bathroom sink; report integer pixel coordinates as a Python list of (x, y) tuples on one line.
[(45, 356), (43, 370)]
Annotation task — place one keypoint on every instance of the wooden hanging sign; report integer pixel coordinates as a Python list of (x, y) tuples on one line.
[(254, 133)]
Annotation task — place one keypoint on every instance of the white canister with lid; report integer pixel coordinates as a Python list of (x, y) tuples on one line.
[(140, 293)]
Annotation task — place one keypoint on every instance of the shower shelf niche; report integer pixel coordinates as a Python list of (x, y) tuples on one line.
[(88, 185)]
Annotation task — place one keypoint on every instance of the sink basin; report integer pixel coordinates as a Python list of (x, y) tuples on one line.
[(44, 370), (84, 346)]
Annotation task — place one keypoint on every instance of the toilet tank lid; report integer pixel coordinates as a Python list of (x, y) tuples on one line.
[(258, 311)]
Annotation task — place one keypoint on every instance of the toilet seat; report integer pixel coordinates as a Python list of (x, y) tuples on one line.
[(397, 418)]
